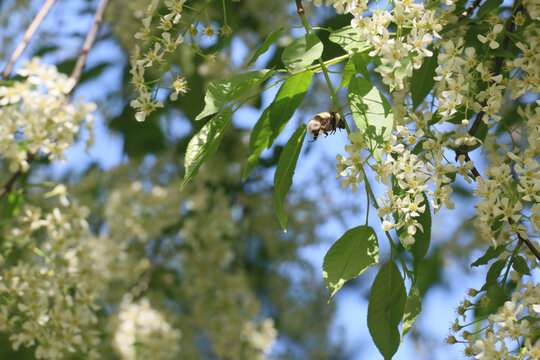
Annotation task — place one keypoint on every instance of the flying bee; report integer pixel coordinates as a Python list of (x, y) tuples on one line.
[(324, 123)]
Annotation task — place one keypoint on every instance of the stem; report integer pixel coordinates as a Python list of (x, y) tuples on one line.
[(392, 245), (27, 36), (88, 42), (510, 262)]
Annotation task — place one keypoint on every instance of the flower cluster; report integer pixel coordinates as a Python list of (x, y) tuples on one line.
[(36, 117), (141, 332), (471, 88), (215, 294), (159, 39), (510, 323), (155, 51), (50, 296)]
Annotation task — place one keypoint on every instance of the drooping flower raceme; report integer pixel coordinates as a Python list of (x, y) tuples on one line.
[(37, 119)]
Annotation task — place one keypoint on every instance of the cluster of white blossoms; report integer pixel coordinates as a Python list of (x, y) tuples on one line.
[(216, 296), (470, 84), (513, 323), (153, 55), (142, 332), (209, 265), (36, 117), (55, 276)]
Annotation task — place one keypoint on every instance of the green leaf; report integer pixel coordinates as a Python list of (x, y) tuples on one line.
[(285, 171), (270, 39), (276, 115), (385, 310), (301, 53), (372, 114), (520, 265), (205, 143), (350, 256), (487, 7), (493, 273), (221, 92), (12, 205), (357, 64), (94, 71), (422, 79), (491, 253), (348, 38), (413, 307)]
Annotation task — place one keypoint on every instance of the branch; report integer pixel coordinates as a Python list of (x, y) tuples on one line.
[(470, 9), (529, 244), (27, 36), (464, 149), (88, 42), (299, 7), (8, 186)]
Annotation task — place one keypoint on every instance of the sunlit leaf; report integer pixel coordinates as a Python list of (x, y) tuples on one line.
[(348, 38), (350, 256), (221, 92), (301, 53), (205, 143), (413, 307), (372, 114)]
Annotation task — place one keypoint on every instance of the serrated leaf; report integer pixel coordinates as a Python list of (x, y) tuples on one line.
[(276, 115), (205, 143), (301, 53), (285, 171), (491, 253), (422, 79), (348, 38), (270, 39), (385, 310), (372, 114), (350, 256), (413, 307), (520, 265), (221, 92)]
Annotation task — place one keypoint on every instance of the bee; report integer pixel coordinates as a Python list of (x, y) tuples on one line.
[(324, 123)]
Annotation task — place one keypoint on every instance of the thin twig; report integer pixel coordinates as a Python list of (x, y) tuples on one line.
[(27, 36), (299, 7), (470, 9), (88, 42), (529, 244), (464, 149)]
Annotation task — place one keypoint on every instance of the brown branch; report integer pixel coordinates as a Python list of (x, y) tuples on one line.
[(529, 244), (8, 186), (470, 9), (88, 42), (27, 36), (464, 149), (299, 7)]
